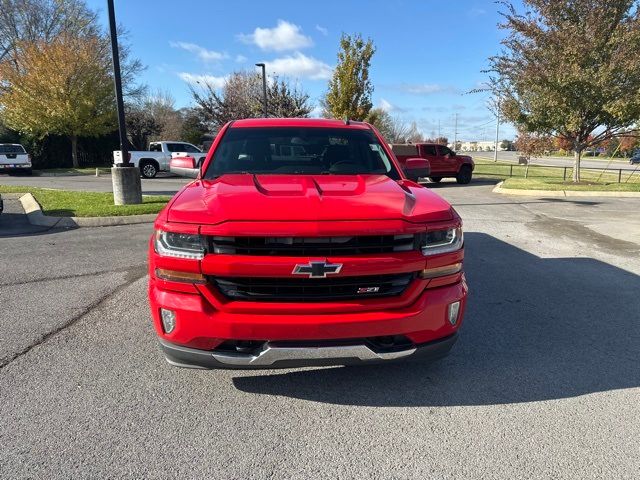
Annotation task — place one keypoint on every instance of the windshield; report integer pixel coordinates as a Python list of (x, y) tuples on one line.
[(11, 149), (296, 150)]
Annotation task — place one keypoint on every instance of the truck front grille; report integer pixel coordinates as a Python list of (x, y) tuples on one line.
[(258, 289), (313, 246)]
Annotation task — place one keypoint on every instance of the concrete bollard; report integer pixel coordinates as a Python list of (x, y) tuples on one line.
[(127, 188)]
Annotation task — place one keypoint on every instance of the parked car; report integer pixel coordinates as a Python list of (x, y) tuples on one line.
[(157, 158), (327, 254), (14, 158), (635, 158), (444, 161)]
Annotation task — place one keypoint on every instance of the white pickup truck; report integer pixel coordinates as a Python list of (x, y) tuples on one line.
[(14, 158), (157, 158)]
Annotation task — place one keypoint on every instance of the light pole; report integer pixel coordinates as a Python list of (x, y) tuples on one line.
[(125, 178), (264, 87), (495, 146)]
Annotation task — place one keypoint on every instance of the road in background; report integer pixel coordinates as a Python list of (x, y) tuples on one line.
[(587, 162), (543, 383), (89, 183)]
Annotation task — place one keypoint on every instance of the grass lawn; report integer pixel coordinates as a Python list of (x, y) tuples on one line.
[(68, 203), (554, 184), (505, 170)]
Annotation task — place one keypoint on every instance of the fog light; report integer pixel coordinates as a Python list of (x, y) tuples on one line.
[(453, 310), (168, 320)]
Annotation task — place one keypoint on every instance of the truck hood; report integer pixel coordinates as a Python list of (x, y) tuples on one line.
[(292, 198)]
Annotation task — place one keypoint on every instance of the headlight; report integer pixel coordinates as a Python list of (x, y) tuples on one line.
[(443, 241), (180, 245)]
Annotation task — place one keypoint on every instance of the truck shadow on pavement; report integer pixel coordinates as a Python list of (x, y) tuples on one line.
[(535, 329)]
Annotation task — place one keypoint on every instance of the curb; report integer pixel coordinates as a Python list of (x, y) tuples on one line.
[(36, 217), (562, 193), (37, 173)]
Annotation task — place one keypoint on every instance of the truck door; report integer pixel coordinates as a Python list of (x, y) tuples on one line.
[(447, 160), (430, 153)]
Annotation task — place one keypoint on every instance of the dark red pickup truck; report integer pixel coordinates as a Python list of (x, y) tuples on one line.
[(444, 161)]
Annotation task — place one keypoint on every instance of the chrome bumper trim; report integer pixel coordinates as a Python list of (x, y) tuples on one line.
[(270, 355)]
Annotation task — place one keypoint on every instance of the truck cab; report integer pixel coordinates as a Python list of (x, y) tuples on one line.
[(444, 162)]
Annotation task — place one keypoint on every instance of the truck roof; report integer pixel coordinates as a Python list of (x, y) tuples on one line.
[(299, 122)]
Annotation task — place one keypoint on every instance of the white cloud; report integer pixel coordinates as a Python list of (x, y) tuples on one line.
[(323, 30), (241, 59), (389, 107), (299, 65), (385, 105), (425, 88), (285, 36), (476, 12), (194, 79), (202, 53)]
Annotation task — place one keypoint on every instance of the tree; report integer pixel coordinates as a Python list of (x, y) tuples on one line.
[(241, 96), (41, 21), (62, 87), (193, 126), (140, 126), (532, 144), (286, 101), (441, 140), (161, 107), (394, 129), (414, 135), (349, 94), (628, 145), (570, 69), (382, 120), (562, 143)]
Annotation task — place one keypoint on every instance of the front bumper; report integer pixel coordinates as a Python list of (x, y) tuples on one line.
[(290, 356), (299, 337)]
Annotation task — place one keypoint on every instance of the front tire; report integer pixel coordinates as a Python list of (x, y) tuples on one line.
[(464, 175), (148, 169)]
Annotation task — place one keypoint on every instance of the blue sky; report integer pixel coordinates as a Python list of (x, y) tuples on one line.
[(429, 53)]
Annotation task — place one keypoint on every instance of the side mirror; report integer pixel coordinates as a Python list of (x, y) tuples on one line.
[(415, 168), (186, 166)]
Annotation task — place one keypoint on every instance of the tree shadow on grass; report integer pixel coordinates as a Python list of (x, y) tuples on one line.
[(535, 329)]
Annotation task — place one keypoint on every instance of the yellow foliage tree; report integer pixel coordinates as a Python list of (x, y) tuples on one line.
[(62, 87)]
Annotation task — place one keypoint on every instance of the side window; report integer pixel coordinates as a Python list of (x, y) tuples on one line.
[(186, 147), (155, 147), (175, 147), (430, 150), (444, 150)]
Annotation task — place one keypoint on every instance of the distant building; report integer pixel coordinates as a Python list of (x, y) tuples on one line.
[(485, 146)]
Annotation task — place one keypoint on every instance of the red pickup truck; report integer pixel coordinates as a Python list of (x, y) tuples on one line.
[(301, 242), (444, 162)]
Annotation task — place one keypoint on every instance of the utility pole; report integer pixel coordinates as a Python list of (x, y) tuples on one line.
[(455, 133), (264, 87), (125, 178), (438, 128), (495, 149)]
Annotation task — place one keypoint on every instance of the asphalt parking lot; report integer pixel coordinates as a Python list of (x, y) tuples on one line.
[(544, 382)]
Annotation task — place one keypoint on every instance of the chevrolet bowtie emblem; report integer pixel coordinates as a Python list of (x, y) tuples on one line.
[(317, 269)]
